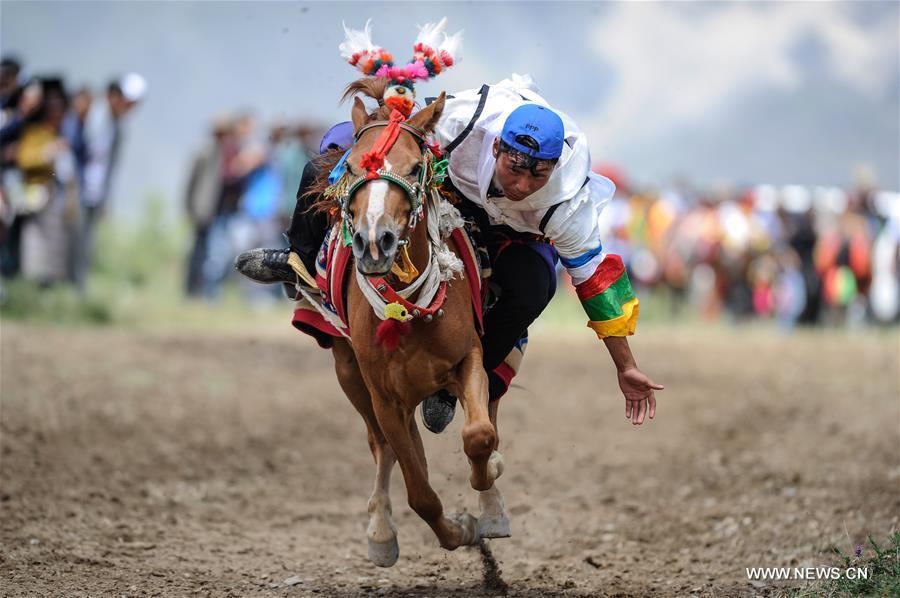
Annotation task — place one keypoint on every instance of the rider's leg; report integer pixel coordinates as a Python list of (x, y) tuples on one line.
[(527, 284), (527, 281), (308, 225)]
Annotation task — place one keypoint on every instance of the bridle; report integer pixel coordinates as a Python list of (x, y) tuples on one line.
[(415, 189), (389, 304)]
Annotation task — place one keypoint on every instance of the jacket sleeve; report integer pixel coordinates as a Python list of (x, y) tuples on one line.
[(600, 278)]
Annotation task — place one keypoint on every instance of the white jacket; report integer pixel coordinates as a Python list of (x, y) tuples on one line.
[(574, 225)]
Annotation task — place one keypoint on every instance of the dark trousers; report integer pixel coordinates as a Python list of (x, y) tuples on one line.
[(308, 226), (11, 249), (84, 250), (525, 283), (194, 275), (523, 278)]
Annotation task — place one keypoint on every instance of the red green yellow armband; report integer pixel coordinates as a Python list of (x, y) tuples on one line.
[(608, 299)]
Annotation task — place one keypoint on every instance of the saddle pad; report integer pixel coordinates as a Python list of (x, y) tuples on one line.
[(332, 269)]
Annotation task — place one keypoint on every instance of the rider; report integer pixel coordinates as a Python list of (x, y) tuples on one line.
[(522, 173)]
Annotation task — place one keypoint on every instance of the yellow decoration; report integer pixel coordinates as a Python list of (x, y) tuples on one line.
[(624, 325), (407, 272), (395, 311)]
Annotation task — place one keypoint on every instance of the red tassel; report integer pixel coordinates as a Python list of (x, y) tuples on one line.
[(374, 159), (371, 161), (390, 332)]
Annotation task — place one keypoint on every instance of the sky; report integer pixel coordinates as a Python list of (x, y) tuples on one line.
[(718, 92)]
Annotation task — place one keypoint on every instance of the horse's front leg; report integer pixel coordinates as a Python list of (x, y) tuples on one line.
[(381, 533), (399, 427), (480, 441), (479, 434)]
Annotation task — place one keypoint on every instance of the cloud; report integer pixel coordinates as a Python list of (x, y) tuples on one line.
[(676, 64)]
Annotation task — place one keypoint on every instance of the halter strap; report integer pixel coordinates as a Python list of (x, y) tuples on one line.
[(413, 130)]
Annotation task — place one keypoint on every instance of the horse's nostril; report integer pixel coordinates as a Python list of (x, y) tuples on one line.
[(388, 241), (359, 244)]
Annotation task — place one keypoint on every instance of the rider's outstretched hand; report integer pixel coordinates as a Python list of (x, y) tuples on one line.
[(638, 390)]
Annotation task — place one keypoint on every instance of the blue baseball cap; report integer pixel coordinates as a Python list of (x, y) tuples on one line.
[(541, 124), (340, 135)]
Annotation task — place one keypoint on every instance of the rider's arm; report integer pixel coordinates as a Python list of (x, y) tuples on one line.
[(600, 278), (620, 352)]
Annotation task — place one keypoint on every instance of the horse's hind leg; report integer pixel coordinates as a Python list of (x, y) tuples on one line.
[(400, 429), (381, 533)]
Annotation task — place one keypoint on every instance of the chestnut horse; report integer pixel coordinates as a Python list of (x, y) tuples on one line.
[(442, 350)]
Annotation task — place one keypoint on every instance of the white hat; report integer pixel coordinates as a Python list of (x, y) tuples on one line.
[(133, 87)]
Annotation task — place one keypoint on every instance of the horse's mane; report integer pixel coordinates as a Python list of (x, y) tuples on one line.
[(372, 87)]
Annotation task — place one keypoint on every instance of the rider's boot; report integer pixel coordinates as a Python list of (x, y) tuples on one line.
[(269, 266), (438, 411)]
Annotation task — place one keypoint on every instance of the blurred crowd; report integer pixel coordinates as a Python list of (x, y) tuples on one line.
[(240, 194), (59, 148), (794, 254)]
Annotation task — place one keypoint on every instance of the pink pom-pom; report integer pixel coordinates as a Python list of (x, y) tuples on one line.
[(390, 332), (384, 71), (416, 70)]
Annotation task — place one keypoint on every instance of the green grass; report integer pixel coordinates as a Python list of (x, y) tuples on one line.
[(882, 562)]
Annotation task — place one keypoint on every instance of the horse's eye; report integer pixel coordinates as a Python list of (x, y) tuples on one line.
[(416, 170)]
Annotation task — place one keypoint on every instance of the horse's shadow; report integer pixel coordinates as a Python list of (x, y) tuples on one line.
[(491, 585), (470, 591)]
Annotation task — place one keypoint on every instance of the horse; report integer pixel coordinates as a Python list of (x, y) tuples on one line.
[(385, 216)]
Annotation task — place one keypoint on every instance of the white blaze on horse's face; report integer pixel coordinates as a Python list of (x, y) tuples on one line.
[(375, 210), (377, 193)]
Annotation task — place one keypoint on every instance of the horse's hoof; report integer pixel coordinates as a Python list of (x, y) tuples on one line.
[(495, 465), (384, 554), (468, 528), (494, 527)]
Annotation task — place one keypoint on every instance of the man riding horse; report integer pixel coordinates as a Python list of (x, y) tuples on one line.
[(521, 173)]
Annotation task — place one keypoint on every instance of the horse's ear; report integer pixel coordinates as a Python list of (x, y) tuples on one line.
[(359, 115), (427, 117)]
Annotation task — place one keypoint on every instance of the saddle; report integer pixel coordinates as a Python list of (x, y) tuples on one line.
[(322, 312)]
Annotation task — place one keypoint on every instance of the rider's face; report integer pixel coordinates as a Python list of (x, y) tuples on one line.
[(518, 182)]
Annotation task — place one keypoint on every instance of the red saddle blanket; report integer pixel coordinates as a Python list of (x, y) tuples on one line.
[(328, 319)]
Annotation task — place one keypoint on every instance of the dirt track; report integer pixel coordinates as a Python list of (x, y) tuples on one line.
[(174, 464)]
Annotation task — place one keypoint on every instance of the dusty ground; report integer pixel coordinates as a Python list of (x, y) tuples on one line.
[(175, 463)]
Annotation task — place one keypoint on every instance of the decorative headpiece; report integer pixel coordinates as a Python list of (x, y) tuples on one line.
[(433, 52)]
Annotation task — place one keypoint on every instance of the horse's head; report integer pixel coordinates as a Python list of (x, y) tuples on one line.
[(382, 210)]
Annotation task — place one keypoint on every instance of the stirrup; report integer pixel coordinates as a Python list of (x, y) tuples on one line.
[(303, 274)]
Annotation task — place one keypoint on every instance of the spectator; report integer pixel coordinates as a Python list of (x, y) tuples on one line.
[(289, 158), (242, 155), (48, 172), (10, 69), (204, 192), (20, 106), (103, 142)]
